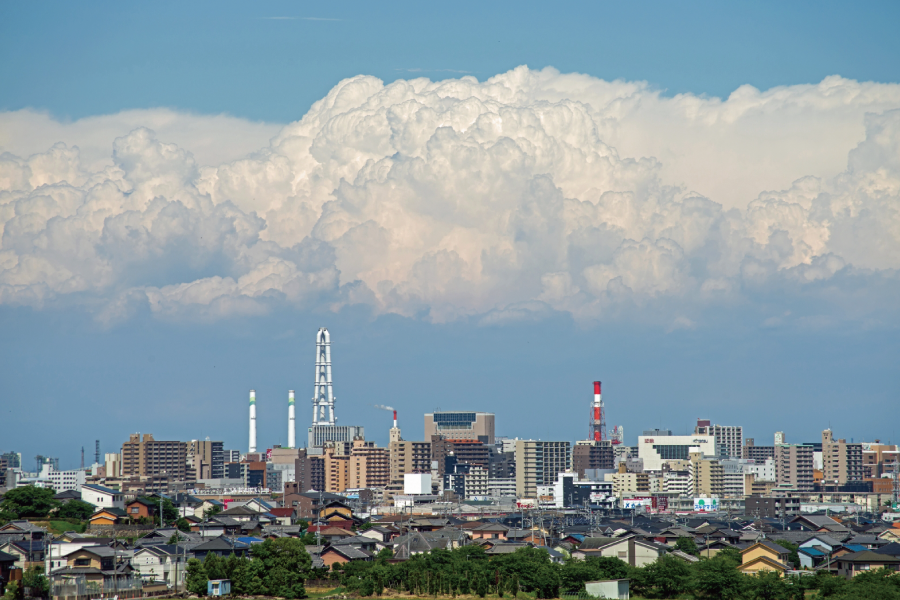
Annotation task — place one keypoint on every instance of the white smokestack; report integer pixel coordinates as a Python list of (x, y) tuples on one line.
[(291, 430), (252, 421)]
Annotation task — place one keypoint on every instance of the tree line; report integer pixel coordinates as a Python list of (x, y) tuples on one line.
[(280, 567)]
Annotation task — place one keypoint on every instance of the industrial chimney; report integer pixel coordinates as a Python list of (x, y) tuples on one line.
[(598, 422), (291, 430), (252, 447)]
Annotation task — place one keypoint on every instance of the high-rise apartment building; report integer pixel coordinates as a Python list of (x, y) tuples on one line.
[(11, 460), (465, 451), (147, 457), (408, 457), (842, 462), (794, 466), (537, 464), (729, 437), (758, 453), (461, 425), (337, 470), (707, 476), (592, 454), (205, 459), (369, 467)]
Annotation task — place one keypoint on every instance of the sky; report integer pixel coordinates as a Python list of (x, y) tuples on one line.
[(489, 206)]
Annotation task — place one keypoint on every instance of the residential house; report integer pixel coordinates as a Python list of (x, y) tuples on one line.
[(283, 516), (629, 548), (381, 533), (108, 516), (102, 558), (7, 564), (102, 497), (28, 553), (820, 523), (139, 508), (21, 530), (764, 556), (343, 554), (494, 531), (221, 546), (160, 563), (851, 565)]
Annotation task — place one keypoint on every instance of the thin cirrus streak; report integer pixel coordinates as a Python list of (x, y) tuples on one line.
[(529, 193)]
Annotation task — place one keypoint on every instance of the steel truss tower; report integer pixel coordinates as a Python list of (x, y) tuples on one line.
[(323, 394)]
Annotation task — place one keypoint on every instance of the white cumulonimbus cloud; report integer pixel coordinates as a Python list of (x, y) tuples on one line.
[(530, 192)]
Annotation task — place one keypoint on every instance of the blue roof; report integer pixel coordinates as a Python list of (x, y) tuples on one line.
[(250, 540), (577, 536), (100, 488), (811, 552), (855, 547)]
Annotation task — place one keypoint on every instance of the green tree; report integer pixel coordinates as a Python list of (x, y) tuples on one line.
[(667, 577), (285, 564), (212, 511), (548, 575), (170, 513), (175, 538), (196, 578), (717, 579), (481, 585), (687, 545), (76, 509), (732, 555), (767, 585), (464, 587), (183, 524), (35, 580), (29, 501), (12, 591), (575, 573), (213, 566), (384, 555), (513, 586), (793, 558), (608, 567)]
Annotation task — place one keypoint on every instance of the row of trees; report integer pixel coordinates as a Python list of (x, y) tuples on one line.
[(34, 502), (275, 568), (279, 568)]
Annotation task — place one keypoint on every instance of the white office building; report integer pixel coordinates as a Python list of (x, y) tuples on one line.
[(656, 450)]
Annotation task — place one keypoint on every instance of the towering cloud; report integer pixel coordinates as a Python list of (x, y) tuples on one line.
[(530, 192)]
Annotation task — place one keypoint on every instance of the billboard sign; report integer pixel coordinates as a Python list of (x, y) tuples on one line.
[(637, 503), (706, 504)]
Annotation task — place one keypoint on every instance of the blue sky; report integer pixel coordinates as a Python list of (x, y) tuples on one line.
[(210, 57), (797, 332)]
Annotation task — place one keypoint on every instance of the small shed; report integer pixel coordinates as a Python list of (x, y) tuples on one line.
[(218, 587), (610, 588)]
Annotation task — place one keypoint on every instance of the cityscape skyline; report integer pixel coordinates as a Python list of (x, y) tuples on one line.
[(274, 419), (493, 225)]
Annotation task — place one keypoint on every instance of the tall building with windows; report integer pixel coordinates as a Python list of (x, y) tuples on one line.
[(147, 457), (592, 454), (758, 453), (841, 462), (408, 457), (461, 425), (205, 459), (729, 437), (794, 466), (538, 463), (656, 450), (370, 466)]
